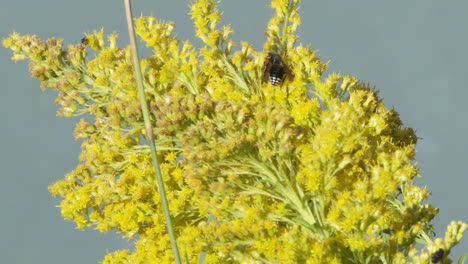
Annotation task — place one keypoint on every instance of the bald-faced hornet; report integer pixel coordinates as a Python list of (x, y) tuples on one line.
[(276, 69)]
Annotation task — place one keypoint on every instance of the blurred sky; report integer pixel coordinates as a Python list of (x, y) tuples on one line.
[(414, 52)]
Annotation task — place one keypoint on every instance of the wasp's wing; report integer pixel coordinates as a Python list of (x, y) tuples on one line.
[(289, 73), (267, 68), (287, 70)]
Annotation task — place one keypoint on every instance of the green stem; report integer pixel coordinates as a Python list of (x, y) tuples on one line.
[(203, 254), (239, 77), (149, 132)]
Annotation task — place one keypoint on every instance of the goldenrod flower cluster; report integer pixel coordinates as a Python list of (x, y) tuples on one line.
[(313, 170)]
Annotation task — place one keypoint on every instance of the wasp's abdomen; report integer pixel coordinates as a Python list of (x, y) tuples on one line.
[(276, 74)]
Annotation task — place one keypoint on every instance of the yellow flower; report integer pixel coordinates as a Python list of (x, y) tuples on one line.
[(315, 169)]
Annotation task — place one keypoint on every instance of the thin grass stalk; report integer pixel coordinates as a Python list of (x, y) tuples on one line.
[(149, 132)]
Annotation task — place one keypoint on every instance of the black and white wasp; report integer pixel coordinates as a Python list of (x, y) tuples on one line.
[(276, 69)]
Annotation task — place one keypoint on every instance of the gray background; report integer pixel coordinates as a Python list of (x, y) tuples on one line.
[(413, 51)]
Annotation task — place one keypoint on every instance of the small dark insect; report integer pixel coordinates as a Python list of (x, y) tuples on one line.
[(276, 69), (438, 255), (84, 41)]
